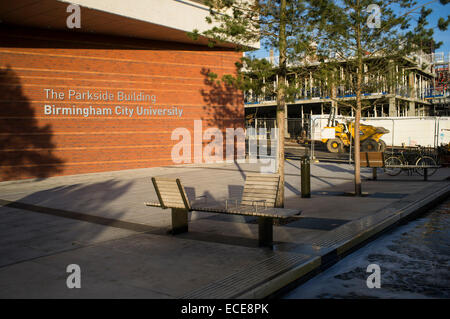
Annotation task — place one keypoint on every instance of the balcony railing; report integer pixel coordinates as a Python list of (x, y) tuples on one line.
[(318, 93), (441, 58)]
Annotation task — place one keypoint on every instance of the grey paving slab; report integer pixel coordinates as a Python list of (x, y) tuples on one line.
[(27, 235), (35, 280), (167, 266)]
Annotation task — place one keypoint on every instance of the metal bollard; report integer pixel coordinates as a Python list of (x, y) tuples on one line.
[(305, 177)]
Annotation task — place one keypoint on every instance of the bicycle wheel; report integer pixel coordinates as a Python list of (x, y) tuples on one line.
[(392, 160), (426, 160)]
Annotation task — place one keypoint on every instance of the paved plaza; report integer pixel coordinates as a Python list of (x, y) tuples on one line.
[(99, 222)]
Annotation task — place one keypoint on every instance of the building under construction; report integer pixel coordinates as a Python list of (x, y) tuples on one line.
[(440, 94), (420, 89)]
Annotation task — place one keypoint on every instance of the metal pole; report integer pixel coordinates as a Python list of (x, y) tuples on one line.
[(393, 131), (312, 130), (305, 177), (437, 127)]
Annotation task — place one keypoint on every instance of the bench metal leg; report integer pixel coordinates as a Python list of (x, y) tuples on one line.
[(265, 231), (179, 220), (374, 173)]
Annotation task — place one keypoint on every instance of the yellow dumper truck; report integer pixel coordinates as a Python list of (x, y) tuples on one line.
[(370, 137)]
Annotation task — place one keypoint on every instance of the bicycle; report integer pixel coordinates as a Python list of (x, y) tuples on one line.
[(426, 160), (418, 159)]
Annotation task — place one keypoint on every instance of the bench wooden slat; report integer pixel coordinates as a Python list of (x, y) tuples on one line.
[(376, 159), (258, 204), (170, 204), (172, 196), (173, 203), (260, 191), (363, 159), (262, 175), (168, 187), (261, 180), (251, 174), (154, 204), (167, 184), (258, 197), (166, 179), (371, 159), (267, 177), (273, 187), (249, 196), (261, 186), (261, 183), (177, 199), (173, 190), (177, 206)]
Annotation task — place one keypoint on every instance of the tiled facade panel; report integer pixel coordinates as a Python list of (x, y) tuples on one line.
[(36, 144)]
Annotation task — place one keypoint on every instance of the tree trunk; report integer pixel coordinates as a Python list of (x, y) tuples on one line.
[(281, 102), (358, 188), (280, 155)]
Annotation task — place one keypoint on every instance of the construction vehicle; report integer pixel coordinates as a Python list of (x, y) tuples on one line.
[(370, 136)]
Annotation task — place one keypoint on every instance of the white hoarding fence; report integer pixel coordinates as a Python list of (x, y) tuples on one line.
[(403, 131)]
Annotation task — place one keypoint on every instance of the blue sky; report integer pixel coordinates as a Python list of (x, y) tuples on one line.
[(438, 11)]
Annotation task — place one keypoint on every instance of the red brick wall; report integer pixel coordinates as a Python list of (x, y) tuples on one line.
[(33, 144)]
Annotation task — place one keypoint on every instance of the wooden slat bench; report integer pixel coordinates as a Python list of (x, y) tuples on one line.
[(372, 159), (258, 199)]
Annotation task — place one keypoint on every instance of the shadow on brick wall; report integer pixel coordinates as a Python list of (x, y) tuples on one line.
[(224, 104), (26, 149)]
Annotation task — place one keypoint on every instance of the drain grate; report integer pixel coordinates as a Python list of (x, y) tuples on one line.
[(248, 278)]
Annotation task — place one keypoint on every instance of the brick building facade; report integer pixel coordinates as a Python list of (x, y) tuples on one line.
[(43, 70)]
